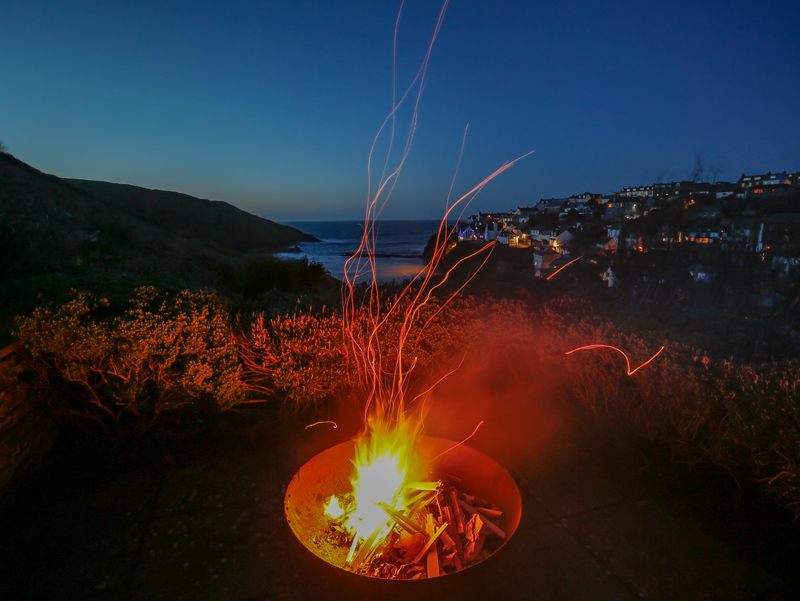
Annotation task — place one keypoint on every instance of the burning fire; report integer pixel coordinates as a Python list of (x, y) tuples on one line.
[(385, 462), (388, 487)]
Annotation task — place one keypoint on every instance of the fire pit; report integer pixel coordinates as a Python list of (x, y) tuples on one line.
[(477, 476)]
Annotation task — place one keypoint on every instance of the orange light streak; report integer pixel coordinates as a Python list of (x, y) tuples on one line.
[(455, 446), (377, 333), (628, 361), (320, 423), (560, 268)]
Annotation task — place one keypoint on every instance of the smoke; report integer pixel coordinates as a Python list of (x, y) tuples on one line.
[(507, 381)]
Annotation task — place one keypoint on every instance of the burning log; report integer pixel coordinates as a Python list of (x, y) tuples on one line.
[(452, 529), (475, 512), (412, 551), (492, 513), (399, 518), (433, 535), (426, 486), (459, 515), (474, 536), (432, 556)]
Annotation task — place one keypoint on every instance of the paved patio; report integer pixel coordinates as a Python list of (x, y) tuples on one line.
[(208, 524)]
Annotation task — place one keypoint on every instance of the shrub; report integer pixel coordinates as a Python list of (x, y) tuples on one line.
[(300, 356), (262, 274), (122, 369), (741, 418), (306, 358)]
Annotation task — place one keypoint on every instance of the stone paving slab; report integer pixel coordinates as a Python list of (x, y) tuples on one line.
[(545, 563), (77, 545), (663, 554)]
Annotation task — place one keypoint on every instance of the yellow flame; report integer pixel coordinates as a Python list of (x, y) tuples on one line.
[(385, 460), (333, 509)]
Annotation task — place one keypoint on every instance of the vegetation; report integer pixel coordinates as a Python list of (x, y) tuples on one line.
[(303, 356), (690, 408), (123, 364), (685, 407), (218, 223), (58, 229), (121, 368)]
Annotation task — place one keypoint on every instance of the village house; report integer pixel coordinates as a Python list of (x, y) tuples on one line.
[(701, 190), (769, 184), (540, 235), (619, 208), (544, 257), (562, 237), (706, 236), (551, 206), (613, 234), (740, 234), (553, 266), (703, 212), (665, 191), (467, 233), (492, 229), (699, 272), (580, 208), (525, 213), (512, 236), (724, 190), (587, 197), (637, 192)]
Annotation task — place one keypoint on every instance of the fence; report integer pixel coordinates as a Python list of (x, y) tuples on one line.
[(25, 434)]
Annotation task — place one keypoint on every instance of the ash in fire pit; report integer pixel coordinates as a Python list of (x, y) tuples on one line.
[(467, 512)]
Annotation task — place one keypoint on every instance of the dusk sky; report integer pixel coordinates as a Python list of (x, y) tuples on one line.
[(272, 106)]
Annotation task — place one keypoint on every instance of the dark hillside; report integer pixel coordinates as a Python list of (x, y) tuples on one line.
[(215, 221), (55, 234), (48, 225)]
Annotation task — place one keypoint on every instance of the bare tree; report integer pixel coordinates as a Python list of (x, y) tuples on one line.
[(3, 147)]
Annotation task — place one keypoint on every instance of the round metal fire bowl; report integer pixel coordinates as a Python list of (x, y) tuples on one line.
[(329, 472)]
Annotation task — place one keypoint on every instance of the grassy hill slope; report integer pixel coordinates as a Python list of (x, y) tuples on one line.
[(215, 221)]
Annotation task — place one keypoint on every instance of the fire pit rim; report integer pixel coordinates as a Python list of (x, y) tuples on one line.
[(501, 476)]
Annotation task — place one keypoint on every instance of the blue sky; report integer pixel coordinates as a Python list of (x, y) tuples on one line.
[(272, 106)]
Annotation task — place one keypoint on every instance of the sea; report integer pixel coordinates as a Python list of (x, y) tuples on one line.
[(399, 245)]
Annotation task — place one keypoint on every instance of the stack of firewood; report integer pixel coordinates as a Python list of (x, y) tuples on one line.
[(441, 531)]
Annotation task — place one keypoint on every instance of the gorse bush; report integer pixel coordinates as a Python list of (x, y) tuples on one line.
[(122, 368), (743, 419), (306, 359), (298, 356)]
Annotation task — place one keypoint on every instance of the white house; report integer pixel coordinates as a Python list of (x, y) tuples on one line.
[(561, 237), (467, 233), (492, 230)]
